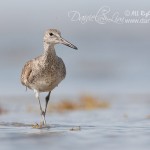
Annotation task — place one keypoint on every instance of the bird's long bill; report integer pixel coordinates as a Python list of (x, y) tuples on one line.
[(65, 42)]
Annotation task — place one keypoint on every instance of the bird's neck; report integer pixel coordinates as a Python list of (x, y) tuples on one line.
[(49, 51)]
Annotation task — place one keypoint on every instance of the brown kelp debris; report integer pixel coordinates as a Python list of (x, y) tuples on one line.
[(148, 116), (89, 102), (85, 102), (2, 110)]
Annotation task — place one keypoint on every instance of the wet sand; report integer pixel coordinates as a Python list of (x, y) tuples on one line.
[(125, 124)]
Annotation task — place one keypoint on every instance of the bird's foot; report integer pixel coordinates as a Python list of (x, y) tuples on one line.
[(39, 126), (42, 124)]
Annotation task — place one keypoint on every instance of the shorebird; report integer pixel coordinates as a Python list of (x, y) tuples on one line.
[(44, 73)]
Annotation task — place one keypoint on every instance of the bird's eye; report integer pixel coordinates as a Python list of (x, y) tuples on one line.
[(51, 34)]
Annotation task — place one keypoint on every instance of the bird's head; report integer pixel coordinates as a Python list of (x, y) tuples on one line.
[(53, 36)]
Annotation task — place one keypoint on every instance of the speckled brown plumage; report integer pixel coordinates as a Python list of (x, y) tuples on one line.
[(43, 74)]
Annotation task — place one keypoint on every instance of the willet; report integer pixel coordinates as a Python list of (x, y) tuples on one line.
[(44, 73)]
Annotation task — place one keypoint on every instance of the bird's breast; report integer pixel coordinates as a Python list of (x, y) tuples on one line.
[(49, 78)]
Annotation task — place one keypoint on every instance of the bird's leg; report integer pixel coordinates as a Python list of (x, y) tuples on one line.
[(42, 112), (46, 100)]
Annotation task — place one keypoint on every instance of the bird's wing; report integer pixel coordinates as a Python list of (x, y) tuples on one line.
[(26, 72)]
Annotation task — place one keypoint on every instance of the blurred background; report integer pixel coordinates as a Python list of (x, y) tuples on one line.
[(107, 82), (111, 58)]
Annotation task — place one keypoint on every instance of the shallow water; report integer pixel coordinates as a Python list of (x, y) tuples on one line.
[(125, 125)]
